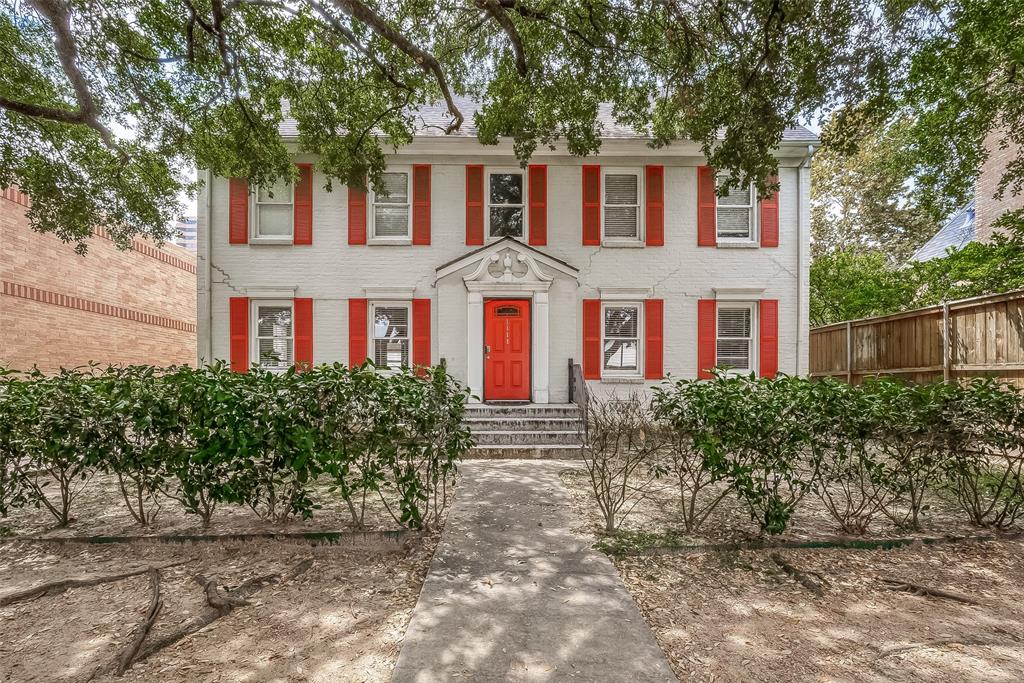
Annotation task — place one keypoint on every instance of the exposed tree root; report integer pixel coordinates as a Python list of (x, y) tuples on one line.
[(917, 589), (221, 603), (56, 587), (801, 577), (155, 605)]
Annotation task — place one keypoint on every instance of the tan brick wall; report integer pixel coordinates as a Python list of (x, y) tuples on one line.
[(109, 306), (986, 207)]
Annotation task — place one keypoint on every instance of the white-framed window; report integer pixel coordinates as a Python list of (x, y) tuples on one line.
[(273, 334), (391, 214), (391, 331), (506, 203), (620, 338), (736, 211), (620, 204), (735, 337), (274, 211)]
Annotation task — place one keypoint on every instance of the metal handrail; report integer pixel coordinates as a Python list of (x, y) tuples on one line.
[(579, 395)]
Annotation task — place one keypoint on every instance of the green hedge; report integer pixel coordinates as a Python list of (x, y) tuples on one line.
[(209, 436), (867, 451)]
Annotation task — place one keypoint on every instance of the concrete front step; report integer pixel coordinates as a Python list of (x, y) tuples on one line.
[(523, 424), (526, 452), (529, 410), (565, 437)]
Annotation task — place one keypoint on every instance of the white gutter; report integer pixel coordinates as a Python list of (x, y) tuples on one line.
[(205, 345), (804, 233)]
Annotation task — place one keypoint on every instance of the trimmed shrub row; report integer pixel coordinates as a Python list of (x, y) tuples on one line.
[(867, 451), (208, 436)]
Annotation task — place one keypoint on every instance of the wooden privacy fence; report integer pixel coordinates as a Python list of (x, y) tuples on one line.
[(959, 339)]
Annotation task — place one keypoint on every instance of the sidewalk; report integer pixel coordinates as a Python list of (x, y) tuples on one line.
[(514, 595)]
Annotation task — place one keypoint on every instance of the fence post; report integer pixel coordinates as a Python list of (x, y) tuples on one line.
[(849, 352), (947, 357)]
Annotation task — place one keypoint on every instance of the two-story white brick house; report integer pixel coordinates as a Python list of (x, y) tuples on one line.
[(625, 262)]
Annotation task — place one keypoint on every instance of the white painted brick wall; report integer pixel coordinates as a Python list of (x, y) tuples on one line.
[(331, 271)]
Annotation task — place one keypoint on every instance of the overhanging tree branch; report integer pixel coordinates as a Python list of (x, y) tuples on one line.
[(494, 8), (365, 14)]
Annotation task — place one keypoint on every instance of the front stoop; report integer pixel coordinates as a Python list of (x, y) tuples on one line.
[(523, 432)]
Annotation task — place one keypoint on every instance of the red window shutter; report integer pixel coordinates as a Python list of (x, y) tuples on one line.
[(591, 339), (707, 337), (655, 212), (770, 218), (238, 211), (356, 215), (654, 338), (538, 205), (238, 322), (421, 333), (421, 204), (474, 205), (303, 321), (707, 235), (357, 330), (591, 206), (303, 233), (768, 330)]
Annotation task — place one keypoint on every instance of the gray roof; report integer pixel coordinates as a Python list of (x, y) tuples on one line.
[(958, 231), (433, 119)]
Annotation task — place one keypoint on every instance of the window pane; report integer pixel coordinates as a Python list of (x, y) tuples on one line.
[(734, 322), (390, 322), (734, 353), (274, 321), (391, 221), (275, 219), (391, 353), (621, 321), (279, 193), (620, 354), (394, 189), (506, 221), (733, 222), (620, 221), (621, 189), (506, 188), (736, 196), (275, 353)]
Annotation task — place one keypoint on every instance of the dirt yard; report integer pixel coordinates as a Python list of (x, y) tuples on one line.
[(333, 613), (739, 616)]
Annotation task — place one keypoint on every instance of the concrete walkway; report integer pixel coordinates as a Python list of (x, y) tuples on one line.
[(514, 595)]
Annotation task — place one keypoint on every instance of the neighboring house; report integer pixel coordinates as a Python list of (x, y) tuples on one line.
[(58, 308), (625, 263), (957, 232), (185, 233)]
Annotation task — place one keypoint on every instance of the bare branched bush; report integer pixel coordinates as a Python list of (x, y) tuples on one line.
[(621, 454)]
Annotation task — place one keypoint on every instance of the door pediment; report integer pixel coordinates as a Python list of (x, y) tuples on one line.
[(508, 264)]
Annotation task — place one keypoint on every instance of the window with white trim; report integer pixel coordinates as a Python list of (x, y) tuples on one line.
[(735, 342), (505, 204), (620, 338), (274, 210), (735, 208), (621, 204), (274, 334), (391, 332), (391, 213)]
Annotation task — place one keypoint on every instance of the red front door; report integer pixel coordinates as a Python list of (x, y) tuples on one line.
[(507, 354)]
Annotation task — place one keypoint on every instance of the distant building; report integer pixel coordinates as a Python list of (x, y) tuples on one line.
[(59, 309), (957, 232), (185, 231)]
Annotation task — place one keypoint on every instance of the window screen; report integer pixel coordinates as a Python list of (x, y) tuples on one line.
[(391, 206), (274, 336), (735, 212), (391, 336), (621, 205), (734, 337), (274, 210), (505, 200), (621, 337)]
